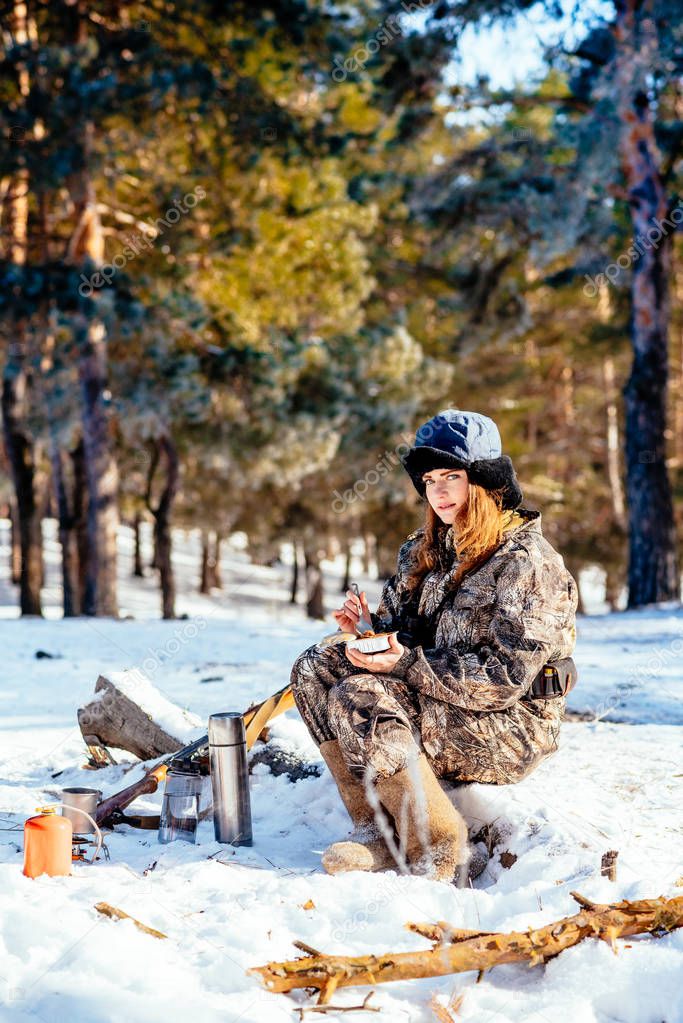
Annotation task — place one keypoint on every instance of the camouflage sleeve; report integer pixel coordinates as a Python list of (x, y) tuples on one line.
[(388, 609), (532, 622)]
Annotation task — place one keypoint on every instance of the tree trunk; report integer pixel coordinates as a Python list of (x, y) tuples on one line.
[(653, 571), (20, 451), (154, 560), (211, 555), (162, 521), (85, 252), (80, 517), (15, 544), (567, 404), (45, 513), (346, 581), (217, 576), (315, 607), (613, 444), (368, 549), (205, 576), (295, 572), (18, 439), (59, 461), (101, 471), (67, 536), (677, 362), (138, 567)]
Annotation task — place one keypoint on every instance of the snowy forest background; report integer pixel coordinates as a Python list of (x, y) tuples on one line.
[(246, 249)]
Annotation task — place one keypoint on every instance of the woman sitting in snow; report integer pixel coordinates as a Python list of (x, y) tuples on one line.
[(480, 602)]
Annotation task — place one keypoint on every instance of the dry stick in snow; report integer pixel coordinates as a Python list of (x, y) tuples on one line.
[(457, 951), (364, 1007), (118, 914), (308, 949), (446, 1013), (608, 864)]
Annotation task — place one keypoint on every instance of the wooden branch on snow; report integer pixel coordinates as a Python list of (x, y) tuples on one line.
[(118, 914), (457, 951), (363, 1007), (308, 949)]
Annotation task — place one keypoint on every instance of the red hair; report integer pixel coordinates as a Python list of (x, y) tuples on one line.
[(477, 532)]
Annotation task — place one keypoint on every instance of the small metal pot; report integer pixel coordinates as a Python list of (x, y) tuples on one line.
[(80, 799)]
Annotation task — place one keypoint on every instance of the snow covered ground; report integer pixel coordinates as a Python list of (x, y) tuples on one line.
[(614, 784)]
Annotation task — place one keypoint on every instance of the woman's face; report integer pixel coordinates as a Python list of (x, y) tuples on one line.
[(446, 490)]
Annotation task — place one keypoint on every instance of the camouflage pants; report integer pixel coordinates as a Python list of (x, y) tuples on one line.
[(373, 716), (379, 720)]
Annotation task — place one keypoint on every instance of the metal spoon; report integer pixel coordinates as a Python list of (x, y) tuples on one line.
[(364, 624)]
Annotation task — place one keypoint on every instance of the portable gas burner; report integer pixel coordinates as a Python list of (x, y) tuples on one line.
[(81, 846)]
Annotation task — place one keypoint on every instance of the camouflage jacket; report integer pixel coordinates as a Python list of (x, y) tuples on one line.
[(495, 631)]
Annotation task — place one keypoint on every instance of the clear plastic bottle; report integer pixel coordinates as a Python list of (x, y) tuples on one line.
[(180, 808)]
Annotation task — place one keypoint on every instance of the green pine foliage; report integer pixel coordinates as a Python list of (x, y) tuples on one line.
[(361, 246)]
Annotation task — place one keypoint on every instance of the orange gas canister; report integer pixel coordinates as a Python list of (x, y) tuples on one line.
[(47, 844)]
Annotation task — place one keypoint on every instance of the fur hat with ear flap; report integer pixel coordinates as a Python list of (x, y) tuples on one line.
[(463, 440)]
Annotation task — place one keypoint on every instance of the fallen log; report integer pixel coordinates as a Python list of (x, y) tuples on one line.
[(110, 811), (129, 713), (458, 951), (283, 761)]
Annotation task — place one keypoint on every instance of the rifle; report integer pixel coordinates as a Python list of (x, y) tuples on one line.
[(110, 811)]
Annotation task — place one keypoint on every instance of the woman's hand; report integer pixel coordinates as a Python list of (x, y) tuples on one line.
[(383, 661), (348, 615)]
